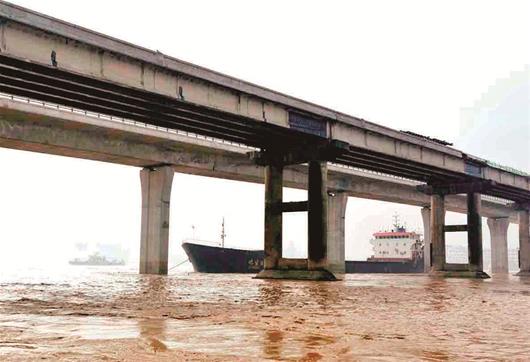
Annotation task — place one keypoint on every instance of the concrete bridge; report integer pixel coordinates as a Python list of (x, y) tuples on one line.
[(293, 143)]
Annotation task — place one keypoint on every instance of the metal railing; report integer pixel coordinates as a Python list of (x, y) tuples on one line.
[(121, 120)]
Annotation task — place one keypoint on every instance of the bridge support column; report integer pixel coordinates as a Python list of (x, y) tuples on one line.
[(437, 233), (426, 217), (524, 243), (474, 233), (325, 244), (154, 243), (317, 266), (473, 269), (439, 267), (273, 216), (337, 203), (499, 244), (317, 216)]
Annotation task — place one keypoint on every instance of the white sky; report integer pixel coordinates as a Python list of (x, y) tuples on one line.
[(458, 71)]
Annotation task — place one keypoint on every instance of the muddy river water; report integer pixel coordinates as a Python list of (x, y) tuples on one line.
[(116, 314)]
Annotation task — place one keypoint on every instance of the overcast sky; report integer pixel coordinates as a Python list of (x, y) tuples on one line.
[(453, 70)]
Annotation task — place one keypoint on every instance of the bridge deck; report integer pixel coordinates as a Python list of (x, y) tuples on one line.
[(122, 89)]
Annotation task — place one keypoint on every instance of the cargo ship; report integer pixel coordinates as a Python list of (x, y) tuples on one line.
[(395, 251)]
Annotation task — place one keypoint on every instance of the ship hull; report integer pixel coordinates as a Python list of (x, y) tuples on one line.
[(412, 266), (214, 259)]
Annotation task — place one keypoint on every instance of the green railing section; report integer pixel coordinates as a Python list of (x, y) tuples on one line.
[(506, 168)]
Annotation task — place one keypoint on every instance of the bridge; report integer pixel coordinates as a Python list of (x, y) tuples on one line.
[(91, 96)]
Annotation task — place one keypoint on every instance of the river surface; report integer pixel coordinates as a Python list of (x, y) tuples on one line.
[(112, 313)]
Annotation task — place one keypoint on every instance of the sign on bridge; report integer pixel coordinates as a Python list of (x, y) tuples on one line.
[(307, 124)]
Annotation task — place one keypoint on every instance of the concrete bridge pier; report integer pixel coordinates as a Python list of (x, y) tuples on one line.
[(437, 224), (154, 243), (426, 217), (325, 244), (337, 202), (524, 243), (317, 216), (474, 267), (499, 244), (273, 216), (474, 233)]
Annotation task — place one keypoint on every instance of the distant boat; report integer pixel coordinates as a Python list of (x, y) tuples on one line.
[(96, 259), (396, 251)]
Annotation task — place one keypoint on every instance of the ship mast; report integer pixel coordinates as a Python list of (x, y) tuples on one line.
[(223, 234), (396, 222)]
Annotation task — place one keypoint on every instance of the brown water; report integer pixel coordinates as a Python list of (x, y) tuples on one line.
[(112, 314)]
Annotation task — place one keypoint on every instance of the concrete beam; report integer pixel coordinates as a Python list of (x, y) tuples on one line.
[(457, 188)]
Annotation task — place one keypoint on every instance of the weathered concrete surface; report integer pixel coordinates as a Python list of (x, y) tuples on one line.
[(499, 244), (460, 274), (524, 242), (437, 222), (426, 218), (440, 267), (32, 36), (336, 232), (297, 274), (154, 241), (322, 240), (35, 128), (317, 216), (273, 217), (474, 232)]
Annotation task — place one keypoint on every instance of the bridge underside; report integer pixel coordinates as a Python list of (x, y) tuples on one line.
[(45, 129), (41, 129), (51, 84)]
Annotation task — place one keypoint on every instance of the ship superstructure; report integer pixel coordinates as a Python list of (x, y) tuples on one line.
[(396, 245)]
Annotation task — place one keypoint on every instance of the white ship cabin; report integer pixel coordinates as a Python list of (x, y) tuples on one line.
[(396, 245)]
